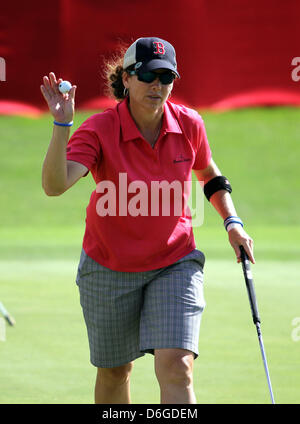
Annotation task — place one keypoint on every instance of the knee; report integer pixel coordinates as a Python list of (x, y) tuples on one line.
[(115, 376), (174, 366)]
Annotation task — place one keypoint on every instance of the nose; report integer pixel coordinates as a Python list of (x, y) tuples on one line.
[(156, 83)]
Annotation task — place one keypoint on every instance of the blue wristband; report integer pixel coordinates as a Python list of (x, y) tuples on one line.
[(232, 220), (60, 124)]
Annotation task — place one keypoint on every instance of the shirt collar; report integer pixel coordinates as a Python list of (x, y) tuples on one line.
[(130, 130)]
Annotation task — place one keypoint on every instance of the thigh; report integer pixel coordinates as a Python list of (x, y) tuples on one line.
[(173, 305), (111, 302)]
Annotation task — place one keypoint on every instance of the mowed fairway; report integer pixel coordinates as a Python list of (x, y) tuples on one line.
[(45, 357)]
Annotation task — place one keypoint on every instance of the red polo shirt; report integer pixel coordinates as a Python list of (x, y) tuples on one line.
[(131, 225)]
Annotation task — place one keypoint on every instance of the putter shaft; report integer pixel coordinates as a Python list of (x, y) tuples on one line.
[(263, 354), (255, 314)]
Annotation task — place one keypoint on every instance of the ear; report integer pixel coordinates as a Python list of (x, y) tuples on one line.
[(125, 77)]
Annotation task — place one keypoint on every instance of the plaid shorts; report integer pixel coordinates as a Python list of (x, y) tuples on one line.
[(128, 314)]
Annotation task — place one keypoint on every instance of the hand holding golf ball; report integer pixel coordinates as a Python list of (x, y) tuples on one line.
[(60, 97), (64, 87)]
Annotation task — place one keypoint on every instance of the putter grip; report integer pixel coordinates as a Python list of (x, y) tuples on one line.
[(249, 285)]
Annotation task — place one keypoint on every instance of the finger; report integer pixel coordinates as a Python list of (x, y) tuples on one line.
[(248, 247), (250, 253), (46, 81), (44, 93), (47, 85), (52, 77), (58, 82), (54, 83), (237, 253)]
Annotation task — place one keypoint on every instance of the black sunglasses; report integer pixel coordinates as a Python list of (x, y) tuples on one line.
[(164, 77)]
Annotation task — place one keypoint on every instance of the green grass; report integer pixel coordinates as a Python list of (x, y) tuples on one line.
[(45, 357), (257, 150)]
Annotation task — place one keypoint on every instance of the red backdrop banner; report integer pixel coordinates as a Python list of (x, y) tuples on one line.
[(232, 53)]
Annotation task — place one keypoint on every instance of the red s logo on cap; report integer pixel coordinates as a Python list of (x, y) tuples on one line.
[(160, 48)]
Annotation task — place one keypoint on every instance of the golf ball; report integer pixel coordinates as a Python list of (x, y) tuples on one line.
[(65, 86)]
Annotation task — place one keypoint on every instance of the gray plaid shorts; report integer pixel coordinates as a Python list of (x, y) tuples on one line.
[(128, 314)]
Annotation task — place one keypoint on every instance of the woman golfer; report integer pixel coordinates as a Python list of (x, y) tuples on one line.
[(140, 275)]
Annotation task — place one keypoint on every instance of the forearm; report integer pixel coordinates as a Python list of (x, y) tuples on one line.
[(221, 199), (54, 172), (222, 202)]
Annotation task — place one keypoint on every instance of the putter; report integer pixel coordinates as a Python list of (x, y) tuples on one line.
[(255, 314), (6, 315)]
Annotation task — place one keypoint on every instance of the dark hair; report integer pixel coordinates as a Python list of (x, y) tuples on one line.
[(113, 71)]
